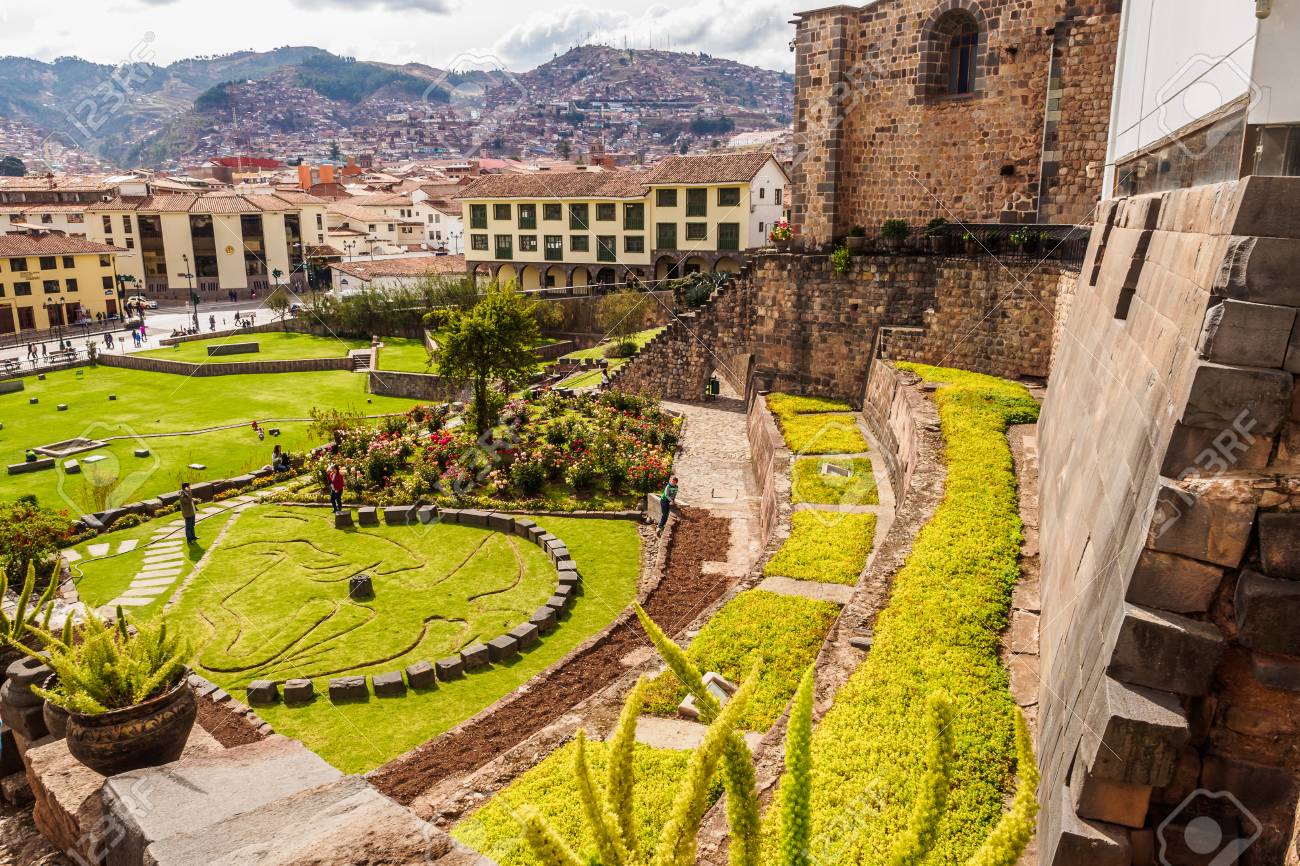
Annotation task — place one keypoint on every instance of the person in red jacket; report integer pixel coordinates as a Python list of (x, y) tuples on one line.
[(334, 478)]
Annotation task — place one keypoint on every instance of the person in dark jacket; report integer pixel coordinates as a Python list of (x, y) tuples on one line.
[(188, 513)]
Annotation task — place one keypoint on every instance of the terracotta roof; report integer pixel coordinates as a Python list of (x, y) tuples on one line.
[(580, 184), (209, 203), (358, 212), (50, 245), (709, 168), (407, 266), (449, 208), (383, 199)]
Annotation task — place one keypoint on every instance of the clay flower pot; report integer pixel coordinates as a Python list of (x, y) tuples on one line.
[(145, 735), (56, 718), (856, 244)]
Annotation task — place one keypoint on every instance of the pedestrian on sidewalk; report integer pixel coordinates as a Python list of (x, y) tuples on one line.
[(334, 479), (187, 512), (212, 323), (666, 500), (31, 351)]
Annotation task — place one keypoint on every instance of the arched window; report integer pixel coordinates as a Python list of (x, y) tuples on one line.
[(952, 43)]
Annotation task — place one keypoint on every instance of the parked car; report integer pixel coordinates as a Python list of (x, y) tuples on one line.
[(148, 303)]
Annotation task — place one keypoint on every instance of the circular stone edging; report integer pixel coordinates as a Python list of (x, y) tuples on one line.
[(476, 657)]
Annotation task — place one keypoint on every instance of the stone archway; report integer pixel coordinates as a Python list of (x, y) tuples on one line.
[(957, 31), (507, 273), (726, 265), (667, 268), (696, 265), (555, 277), (530, 277)]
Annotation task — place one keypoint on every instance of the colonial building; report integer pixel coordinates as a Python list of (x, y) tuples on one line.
[(212, 243), (971, 110), (569, 230), (48, 280), (52, 203), (349, 278)]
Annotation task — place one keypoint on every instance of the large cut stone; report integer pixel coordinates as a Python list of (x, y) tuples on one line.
[(399, 515), (1247, 335), (1220, 395), (476, 657), (1268, 612), (1261, 269), (262, 692), (348, 689), (525, 635), (340, 823), (569, 578), (1209, 529), (558, 602), (450, 668), (1132, 734), (185, 797), (388, 685), (420, 675), (544, 619), (1098, 799), (471, 517), (1070, 841), (343, 519), (426, 514), (1279, 544), (501, 522), (298, 691), (523, 525), (565, 564), (367, 516), (361, 587), (503, 648), (1176, 583), (1165, 651)]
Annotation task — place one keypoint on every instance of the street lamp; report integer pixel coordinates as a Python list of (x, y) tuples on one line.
[(194, 296)]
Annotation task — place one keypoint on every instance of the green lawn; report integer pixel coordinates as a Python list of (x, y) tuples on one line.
[(640, 338), (405, 355), (783, 632), (550, 787), (828, 433), (152, 403), (272, 346), (813, 485), (360, 736), (825, 546)]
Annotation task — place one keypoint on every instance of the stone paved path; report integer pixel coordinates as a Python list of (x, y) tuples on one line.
[(679, 734), (165, 559)]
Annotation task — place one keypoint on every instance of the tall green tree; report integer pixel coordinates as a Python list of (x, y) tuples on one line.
[(490, 345)]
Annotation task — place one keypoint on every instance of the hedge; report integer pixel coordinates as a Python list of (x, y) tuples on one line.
[(825, 546), (940, 630), (785, 631), (551, 788), (813, 486)]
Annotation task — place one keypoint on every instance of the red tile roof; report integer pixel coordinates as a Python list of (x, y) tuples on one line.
[(407, 266), (19, 244), (575, 184), (709, 168)]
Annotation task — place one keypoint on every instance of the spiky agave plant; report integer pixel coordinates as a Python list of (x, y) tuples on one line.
[(14, 628), (1007, 841), (108, 667)]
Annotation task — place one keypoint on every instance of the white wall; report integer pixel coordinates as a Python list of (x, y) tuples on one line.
[(1277, 66), (766, 208), (1180, 60)]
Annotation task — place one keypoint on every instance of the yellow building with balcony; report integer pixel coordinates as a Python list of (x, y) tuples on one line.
[(574, 229), (50, 280)]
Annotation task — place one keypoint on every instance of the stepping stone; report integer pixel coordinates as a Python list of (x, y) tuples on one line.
[(124, 601), (503, 648), (98, 549), (348, 689), (262, 692), (476, 657), (197, 467), (450, 668), (149, 574), (71, 555), (343, 520), (525, 636), (165, 543), (128, 545), (420, 675), (149, 591), (367, 516), (389, 684), (544, 619), (154, 581), (298, 691), (164, 561)]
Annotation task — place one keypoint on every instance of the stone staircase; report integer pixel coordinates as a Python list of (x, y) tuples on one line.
[(362, 360)]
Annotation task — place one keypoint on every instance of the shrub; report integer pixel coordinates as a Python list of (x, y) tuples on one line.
[(30, 534), (582, 474), (109, 667), (858, 232), (528, 475), (130, 521), (940, 630), (936, 223), (841, 260), (895, 229), (814, 486), (780, 633), (825, 546)]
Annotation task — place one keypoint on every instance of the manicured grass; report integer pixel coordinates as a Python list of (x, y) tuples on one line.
[(813, 485), (152, 403), (405, 355), (550, 788), (825, 546), (272, 346), (940, 630), (783, 632), (829, 433), (639, 339), (784, 405), (361, 736), (273, 600), (591, 378)]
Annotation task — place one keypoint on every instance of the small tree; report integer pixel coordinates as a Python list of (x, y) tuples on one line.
[(490, 344), (278, 303), (620, 314)]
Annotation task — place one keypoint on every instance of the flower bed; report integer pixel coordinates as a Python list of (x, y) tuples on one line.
[(549, 453), (551, 788), (784, 631), (940, 630), (814, 486), (825, 546)]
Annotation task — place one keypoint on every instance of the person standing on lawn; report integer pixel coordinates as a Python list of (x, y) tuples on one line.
[(666, 500), (187, 512), (334, 478)]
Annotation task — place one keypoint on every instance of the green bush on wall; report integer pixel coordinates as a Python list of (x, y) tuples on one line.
[(940, 630)]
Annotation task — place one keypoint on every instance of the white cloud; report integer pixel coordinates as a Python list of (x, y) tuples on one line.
[(753, 32), (431, 6)]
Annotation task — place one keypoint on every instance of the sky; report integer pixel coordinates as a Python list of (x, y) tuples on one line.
[(444, 33)]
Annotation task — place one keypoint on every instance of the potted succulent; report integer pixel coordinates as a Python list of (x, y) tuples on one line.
[(894, 233), (126, 692), (970, 243), (857, 240), (1026, 240), (781, 235), (933, 235), (14, 628)]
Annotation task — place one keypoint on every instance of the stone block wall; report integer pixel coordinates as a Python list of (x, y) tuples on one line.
[(878, 138), (790, 323), (1170, 515), (415, 386), (769, 459), (224, 368), (890, 410)]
